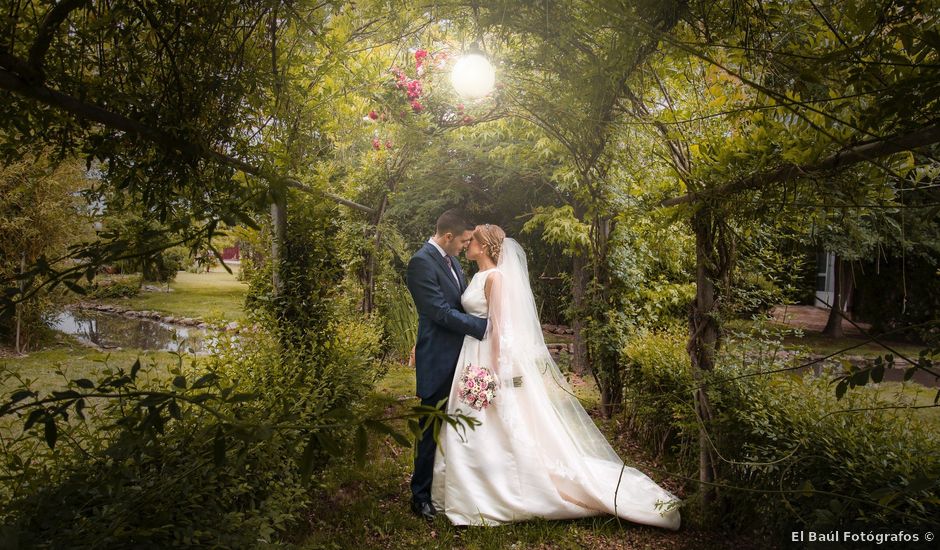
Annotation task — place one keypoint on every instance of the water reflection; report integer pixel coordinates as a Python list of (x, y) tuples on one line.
[(110, 331)]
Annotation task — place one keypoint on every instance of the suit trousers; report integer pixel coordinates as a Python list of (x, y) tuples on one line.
[(427, 447)]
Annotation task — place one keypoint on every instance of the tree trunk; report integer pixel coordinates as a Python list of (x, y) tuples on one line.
[(278, 239), (834, 323), (703, 341), (368, 275), (19, 307), (579, 359)]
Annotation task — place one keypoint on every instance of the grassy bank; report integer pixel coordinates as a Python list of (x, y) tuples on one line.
[(212, 296), (50, 368)]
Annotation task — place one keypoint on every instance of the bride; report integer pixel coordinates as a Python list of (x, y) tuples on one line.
[(536, 452)]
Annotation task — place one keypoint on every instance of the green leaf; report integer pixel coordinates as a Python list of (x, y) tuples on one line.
[(33, 417), (218, 447), (243, 397), (21, 395), (921, 484), (306, 459), (807, 488), (51, 432), (841, 389), (381, 427), (180, 382), (884, 495), (85, 383), (339, 413), (77, 289), (362, 445), (135, 368), (205, 380), (878, 373), (909, 373), (860, 378), (174, 409), (329, 443), (79, 406)]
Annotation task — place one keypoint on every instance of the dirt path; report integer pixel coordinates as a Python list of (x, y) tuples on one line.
[(813, 319)]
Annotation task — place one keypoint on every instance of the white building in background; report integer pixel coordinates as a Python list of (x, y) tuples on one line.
[(826, 281)]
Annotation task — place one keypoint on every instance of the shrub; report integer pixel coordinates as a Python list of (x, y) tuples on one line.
[(114, 286), (218, 458), (400, 317), (815, 461), (657, 393)]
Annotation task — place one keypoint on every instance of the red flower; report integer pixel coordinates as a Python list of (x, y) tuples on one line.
[(373, 115), (417, 106), (414, 89), (376, 144)]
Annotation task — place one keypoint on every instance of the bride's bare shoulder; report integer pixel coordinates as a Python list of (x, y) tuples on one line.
[(492, 277)]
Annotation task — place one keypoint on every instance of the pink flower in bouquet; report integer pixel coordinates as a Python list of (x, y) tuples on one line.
[(477, 386)]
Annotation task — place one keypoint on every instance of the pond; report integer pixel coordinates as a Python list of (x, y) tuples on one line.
[(108, 330)]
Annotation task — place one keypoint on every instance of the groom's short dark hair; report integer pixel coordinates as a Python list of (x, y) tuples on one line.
[(452, 221)]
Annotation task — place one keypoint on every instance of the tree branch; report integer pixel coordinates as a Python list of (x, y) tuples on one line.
[(10, 80), (48, 27), (868, 151)]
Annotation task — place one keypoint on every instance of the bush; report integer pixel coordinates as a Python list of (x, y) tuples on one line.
[(114, 286), (657, 395), (400, 317), (220, 457), (814, 465), (217, 459)]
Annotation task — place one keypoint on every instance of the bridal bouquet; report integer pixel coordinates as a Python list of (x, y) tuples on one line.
[(477, 386)]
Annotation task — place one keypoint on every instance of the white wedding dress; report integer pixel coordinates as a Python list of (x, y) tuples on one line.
[(536, 452)]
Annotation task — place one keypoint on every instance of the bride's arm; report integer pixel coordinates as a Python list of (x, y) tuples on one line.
[(492, 289)]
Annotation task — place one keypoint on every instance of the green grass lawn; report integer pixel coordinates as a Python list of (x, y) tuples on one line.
[(213, 296), (824, 345), (817, 343)]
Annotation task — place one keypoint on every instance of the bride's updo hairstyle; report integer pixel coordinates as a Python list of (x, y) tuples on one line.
[(491, 239)]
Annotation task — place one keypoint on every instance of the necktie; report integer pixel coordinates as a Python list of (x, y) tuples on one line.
[(450, 264)]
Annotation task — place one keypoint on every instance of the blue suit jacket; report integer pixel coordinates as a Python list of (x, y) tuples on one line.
[(442, 322)]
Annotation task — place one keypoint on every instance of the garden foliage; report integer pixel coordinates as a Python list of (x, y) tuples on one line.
[(790, 454)]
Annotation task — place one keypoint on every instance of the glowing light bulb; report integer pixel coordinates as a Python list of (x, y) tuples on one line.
[(473, 76)]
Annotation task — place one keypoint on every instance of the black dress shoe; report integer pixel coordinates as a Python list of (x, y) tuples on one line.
[(424, 510)]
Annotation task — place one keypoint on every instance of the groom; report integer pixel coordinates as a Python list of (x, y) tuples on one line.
[(436, 283)]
